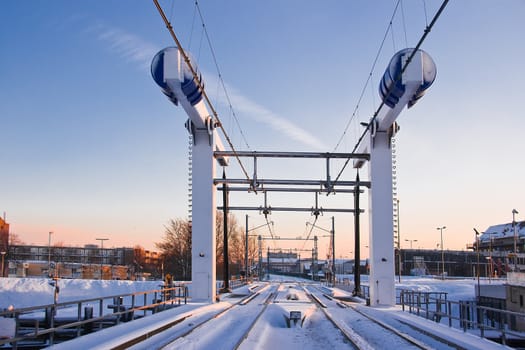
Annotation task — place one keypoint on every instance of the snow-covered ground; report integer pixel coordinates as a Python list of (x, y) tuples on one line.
[(25, 292), (271, 334)]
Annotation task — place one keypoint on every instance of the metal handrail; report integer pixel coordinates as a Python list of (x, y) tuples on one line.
[(160, 297), (469, 314)]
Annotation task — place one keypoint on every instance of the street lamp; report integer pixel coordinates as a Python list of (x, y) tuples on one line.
[(49, 254), (442, 252), (101, 253), (246, 243), (3, 255), (514, 211), (410, 240), (477, 266)]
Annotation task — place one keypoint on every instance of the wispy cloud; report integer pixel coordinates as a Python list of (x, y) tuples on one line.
[(247, 108), (137, 50), (128, 46)]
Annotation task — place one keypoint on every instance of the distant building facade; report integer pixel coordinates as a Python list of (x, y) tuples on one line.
[(71, 262), (420, 262), (497, 244)]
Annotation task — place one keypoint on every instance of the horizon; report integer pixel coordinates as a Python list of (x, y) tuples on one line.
[(92, 148)]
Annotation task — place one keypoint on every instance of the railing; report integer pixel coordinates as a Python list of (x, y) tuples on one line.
[(233, 283), (467, 315), (46, 324)]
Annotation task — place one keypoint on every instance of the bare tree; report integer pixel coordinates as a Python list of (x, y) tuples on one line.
[(176, 249), (14, 239), (176, 246)]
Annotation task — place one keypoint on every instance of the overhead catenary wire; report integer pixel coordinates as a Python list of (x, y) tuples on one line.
[(354, 113), (226, 94), (427, 30), (201, 88), (404, 23), (309, 233)]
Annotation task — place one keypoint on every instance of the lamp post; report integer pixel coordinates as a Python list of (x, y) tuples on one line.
[(101, 253), (477, 266), (3, 255), (410, 240), (49, 254), (246, 243), (514, 211), (442, 252)]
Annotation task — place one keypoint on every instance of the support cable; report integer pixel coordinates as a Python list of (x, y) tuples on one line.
[(270, 229), (404, 23), (352, 117), (230, 106), (414, 51), (197, 80), (309, 233), (192, 26)]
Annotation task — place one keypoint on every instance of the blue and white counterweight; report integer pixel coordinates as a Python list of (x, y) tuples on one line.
[(398, 89), (171, 72)]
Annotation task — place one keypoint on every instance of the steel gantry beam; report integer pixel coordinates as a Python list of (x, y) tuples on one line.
[(313, 155), (291, 209), (257, 184)]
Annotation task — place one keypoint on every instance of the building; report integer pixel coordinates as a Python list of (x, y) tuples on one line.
[(420, 262), (89, 261), (503, 247)]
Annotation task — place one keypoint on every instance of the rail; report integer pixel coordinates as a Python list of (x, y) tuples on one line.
[(45, 325)]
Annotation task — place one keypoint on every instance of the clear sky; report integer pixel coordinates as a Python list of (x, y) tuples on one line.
[(90, 148)]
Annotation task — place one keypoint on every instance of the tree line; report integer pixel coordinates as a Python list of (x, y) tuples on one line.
[(175, 247)]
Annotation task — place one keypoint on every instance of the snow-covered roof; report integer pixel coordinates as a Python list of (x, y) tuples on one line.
[(502, 231)]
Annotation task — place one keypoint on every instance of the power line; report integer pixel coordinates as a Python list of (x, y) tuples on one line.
[(220, 75), (197, 80), (352, 117), (427, 30)]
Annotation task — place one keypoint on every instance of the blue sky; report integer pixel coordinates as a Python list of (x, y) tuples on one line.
[(90, 147)]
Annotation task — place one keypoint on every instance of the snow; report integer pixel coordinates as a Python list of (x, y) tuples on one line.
[(270, 332), (502, 231), (26, 292)]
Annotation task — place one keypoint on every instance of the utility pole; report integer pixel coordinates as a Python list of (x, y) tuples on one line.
[(357, 243), (49, 254), (333, 251), (101, 252), (440, 229), (246, 251), (514, 211), (226, 288)]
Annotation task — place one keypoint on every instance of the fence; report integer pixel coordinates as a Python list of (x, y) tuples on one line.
[(467, 315), (44, 325)]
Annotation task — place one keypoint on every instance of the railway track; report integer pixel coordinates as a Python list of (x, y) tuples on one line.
[(283, 315), (240, 317), (365, 328)]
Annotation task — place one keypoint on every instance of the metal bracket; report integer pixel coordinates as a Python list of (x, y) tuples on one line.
[(316, 211), (210, 127), (392, 131), (266, 210), (191, 129), (254, 183)]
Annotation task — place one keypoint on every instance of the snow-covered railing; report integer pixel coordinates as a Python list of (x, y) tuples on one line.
[(467, 315), (47, 324)]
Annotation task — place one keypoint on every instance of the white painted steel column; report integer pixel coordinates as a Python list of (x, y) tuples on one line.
[(203, 270), (381, 238)]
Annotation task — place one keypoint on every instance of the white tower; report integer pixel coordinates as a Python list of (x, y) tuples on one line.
[(171, 73), (397, 89)]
